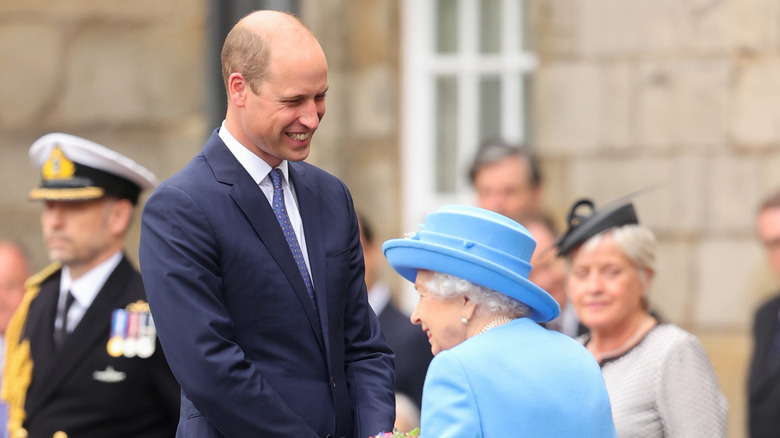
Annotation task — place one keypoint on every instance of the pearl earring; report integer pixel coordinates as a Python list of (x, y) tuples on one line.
[(464, 320)]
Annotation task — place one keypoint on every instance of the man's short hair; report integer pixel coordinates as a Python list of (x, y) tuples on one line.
[(492, 151), (544, 219), (366, 228), (771, 201)]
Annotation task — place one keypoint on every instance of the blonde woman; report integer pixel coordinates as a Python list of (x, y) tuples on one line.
[(660, 380)]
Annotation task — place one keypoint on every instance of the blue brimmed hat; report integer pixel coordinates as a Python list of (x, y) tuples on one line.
[(477, 245)]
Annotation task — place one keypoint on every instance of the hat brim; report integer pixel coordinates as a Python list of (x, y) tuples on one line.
[(407, 256), (67, 194)]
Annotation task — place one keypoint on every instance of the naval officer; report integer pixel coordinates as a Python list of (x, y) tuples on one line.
[(82, 352)]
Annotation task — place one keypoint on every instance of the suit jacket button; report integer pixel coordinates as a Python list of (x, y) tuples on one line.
[(333, 382), (330, 435)]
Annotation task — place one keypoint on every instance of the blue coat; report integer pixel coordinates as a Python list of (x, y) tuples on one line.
[(518, 380), (232, 312)]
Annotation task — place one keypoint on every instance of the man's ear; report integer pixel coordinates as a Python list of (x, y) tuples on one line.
[(119, 216), (238, 88)]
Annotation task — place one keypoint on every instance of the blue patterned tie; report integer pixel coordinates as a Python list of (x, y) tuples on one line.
[(292, 240)]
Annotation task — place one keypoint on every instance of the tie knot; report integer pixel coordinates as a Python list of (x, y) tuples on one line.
[(69, 299), (276, 178)]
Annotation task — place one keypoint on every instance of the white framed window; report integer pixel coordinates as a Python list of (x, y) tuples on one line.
[(465, 71)]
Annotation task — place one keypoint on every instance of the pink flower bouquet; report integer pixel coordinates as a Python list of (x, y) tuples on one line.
[(414, 433)]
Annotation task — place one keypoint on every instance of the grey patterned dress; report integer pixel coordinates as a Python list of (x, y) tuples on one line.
[(665, 387)]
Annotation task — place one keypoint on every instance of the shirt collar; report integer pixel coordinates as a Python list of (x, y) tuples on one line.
[(379, 296), (86, 287), (257, 167)]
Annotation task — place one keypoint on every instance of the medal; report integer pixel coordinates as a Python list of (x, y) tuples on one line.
[(146, 336), (131, 340), (132, 332), (115, 344)]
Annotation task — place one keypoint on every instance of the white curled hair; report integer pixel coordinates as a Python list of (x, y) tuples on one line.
[(488, 300)]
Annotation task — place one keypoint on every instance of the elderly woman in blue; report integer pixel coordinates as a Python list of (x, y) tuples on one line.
[(496, 371)]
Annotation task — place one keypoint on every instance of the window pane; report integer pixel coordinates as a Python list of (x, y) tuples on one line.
[(447, 26), (489, 107), (525, 34), (446, 133), (490, 26), (526, 101)]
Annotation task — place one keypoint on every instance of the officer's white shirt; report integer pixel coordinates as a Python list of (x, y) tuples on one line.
[(84, 290)]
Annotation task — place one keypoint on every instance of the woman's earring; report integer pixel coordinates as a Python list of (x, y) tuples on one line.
[(464, 320)]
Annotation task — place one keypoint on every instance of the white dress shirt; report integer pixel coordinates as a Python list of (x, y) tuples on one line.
[(379, 296), (259, 170), (84, 290)]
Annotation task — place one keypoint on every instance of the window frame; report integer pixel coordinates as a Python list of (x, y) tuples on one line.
[(422, 66)]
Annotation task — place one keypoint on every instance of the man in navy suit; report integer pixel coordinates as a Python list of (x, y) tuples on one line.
[(764, 378), (252, 262)]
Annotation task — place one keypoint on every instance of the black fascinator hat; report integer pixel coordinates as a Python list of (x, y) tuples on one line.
[(582, 227)]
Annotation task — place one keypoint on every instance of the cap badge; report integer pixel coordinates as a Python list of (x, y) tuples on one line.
[(58, 166)]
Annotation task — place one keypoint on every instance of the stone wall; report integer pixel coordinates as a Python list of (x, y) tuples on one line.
[(358, 139), (125, 74)]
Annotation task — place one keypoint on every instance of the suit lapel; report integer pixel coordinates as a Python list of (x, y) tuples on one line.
[(248, 196), (309, 207), (91, 331)]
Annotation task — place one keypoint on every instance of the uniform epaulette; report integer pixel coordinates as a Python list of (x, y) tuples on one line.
[(17, 373), (38, 278)]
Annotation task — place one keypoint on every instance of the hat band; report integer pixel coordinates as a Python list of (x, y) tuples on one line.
[(87, 177), (72, 194), (476, 249)]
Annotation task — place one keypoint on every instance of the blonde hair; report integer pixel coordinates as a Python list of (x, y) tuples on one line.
[(637, 243)]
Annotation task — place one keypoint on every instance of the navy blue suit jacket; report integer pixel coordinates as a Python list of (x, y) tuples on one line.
[(232, 312), (764, 379), (412, 352)]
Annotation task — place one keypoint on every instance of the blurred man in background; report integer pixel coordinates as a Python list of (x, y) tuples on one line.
[(82, 351), (764, 379), (411, 347), (549, 272), (507, 179)]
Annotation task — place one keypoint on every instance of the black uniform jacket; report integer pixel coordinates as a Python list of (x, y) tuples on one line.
[(82, 390), (412, 352)]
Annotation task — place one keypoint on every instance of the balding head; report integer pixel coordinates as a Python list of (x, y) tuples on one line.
[(14, 270), (249, 45), (276, 77)]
